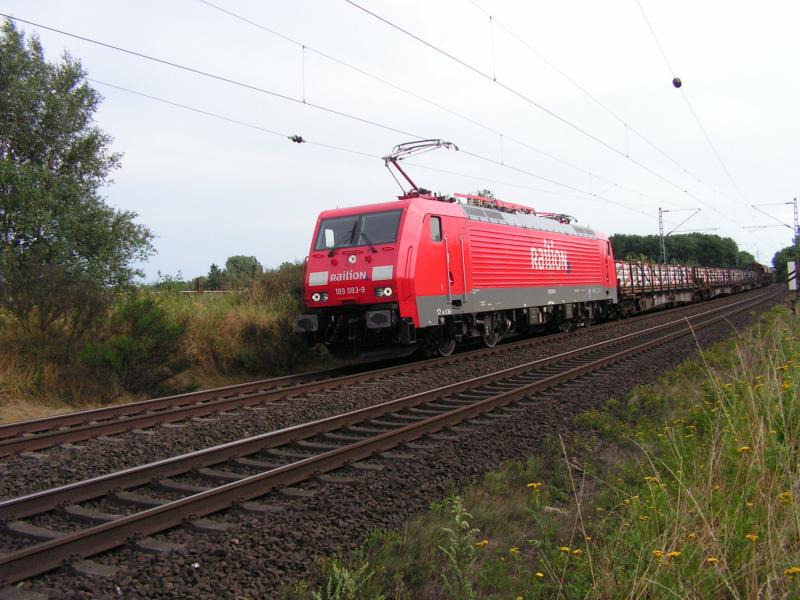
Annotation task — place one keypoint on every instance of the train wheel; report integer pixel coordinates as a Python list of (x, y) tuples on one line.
[(491, 339), (446, 346)]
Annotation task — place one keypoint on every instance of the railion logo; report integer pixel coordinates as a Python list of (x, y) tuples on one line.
[(348, 276), (547, 258)]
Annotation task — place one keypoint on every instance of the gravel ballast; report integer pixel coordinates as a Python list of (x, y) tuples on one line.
[(261, 551)]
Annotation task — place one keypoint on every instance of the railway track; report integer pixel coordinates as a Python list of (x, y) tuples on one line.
[(133, 502), (38, 434)]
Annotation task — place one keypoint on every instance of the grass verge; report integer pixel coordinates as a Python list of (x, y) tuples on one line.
[(687, 488)]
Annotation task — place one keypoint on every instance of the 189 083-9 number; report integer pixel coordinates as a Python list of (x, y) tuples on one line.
[(341, 291)]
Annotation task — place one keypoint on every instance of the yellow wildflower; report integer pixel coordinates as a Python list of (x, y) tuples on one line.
[(535, 485), (482, 543), (519, 598), (748, 504), (786, 385), (588, 538), (712, 560), (539, 574), (577, 552), (635, 497), (692, 535), (673, 554), (644, 518), (752, 537), (514, 551), (564, 549), (627, 501), (786, 497), (658, 553), (792, 571)]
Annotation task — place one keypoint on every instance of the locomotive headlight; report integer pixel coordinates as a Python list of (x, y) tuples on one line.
[(379, 291), (315, 297), (387, 291), (324, 296)]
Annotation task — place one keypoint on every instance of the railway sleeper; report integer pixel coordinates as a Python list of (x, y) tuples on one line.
[(317, 445), (337, 479), (444, 437), (411, 418), (154, 546), (445, 406), (33, 532), (89, 515), (388, 422), (138, 499), (90, 568), (180, 486), (220, 475), (424, 411), (343, 437), (209, 526), (291, 454), (296, 492), (258, 464), (420, 446), (368, 430)]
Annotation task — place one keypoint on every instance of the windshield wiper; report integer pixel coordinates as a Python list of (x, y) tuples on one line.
[(369, 243)]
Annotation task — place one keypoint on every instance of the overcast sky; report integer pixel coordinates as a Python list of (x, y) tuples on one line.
[(612, 138)]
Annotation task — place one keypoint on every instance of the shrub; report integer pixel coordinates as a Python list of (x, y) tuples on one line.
[(143, 350)]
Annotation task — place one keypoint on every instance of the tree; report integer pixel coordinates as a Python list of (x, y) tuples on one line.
[(62, 248), (215, 279), (692, 248), (240, 271), (780, 259), (745, 258)]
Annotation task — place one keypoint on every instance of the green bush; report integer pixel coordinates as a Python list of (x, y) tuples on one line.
[(144, 348)]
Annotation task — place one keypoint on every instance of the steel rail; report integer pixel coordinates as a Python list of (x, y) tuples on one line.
[(73, 427), (38, 502), (48, 555)]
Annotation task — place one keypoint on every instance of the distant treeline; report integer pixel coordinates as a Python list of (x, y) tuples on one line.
[(689, 248)]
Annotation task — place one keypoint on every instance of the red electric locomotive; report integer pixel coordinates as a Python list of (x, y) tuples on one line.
[(428, 271)]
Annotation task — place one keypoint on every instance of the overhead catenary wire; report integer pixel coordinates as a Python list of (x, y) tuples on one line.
[(537, 105), (626, 125), (216, 77), (286, 97), (502, 135), (694, 114), (262, 129)]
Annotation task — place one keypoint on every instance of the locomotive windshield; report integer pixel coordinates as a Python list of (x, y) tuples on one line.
[(366, 229)]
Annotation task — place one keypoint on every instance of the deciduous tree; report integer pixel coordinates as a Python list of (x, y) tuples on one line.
[(62, 247)]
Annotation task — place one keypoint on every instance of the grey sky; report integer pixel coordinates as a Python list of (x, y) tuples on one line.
[(210, 189)]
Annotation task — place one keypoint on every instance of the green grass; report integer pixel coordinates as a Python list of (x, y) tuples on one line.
[(686, 488)]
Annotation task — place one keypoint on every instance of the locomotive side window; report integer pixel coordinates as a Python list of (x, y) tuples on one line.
[(436, 229), (358, 230)]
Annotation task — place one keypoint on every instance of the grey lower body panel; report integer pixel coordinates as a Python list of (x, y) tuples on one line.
[(430, 308)]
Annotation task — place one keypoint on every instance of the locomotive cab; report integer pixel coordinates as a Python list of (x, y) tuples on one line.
[(351, 283)]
